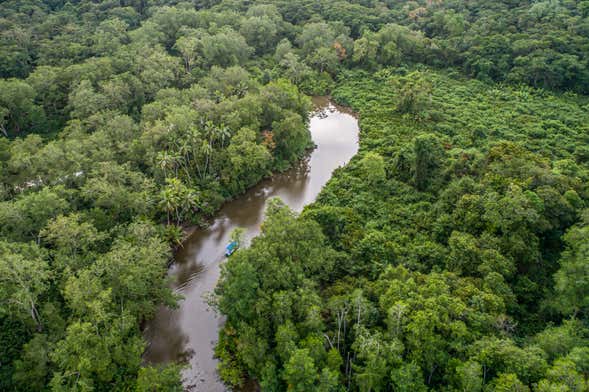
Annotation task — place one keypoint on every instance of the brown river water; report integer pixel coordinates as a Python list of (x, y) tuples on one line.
[(188, 334)]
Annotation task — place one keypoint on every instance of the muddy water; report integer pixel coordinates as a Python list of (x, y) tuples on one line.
[(189, 332)]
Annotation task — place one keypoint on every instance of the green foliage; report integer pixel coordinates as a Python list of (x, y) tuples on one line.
[(428, 156), (571, 278), (451, 254), (25, 279), (299, 372), (153, 378), (508, 382), (447, 244), (146, 118), (373, 167), (30, 373), (413, 95), (18, 112)]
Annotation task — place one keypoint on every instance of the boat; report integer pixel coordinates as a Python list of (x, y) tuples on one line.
[(231, 248)]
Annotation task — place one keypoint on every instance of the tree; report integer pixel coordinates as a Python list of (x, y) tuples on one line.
[(299, 372), (133, 272), (70, 234), (84, 100), (32, 369), (117, 192), (249, 161), (328, 381), (558, 341), (429, 157), (286, 340), (291, 137), (90, 355), (72, 239), (408, 378), (373, 168), (111, 34), (159, 378), (365, 49), (413, 95), (561, 376), (324, 60), (16, 59), (24, 277), (498, 357), (24, 218), (177, 199), (156, 69), (282, 49), (188, 48), (294, 69), (572, 279), (471, 376), (225, 48), (19, 114), (508, 382), (260, 33), (371, 374), (314, 36), (227, 82)]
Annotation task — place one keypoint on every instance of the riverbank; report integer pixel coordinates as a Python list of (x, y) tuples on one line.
[(189, 333), (320, 103)]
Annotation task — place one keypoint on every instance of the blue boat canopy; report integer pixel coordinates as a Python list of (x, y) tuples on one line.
[(231, 247)]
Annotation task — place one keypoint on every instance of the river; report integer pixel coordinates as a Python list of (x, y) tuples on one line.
[(189, 333)]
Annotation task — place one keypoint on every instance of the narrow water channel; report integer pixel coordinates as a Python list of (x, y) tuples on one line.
[(189, 332)]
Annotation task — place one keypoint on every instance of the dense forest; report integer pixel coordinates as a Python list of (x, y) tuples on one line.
[(451, 254)]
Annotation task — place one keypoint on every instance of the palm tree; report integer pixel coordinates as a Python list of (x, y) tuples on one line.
[(167, 202), (184, 149), (178, 199), (190, 149), (223, 133), (213, 133), (164, 161), (207, 150)]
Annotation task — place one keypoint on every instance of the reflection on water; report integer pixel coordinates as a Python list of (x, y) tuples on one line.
[(189, 333)]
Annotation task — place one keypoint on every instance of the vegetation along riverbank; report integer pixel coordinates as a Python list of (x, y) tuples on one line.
[(451, 254)]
